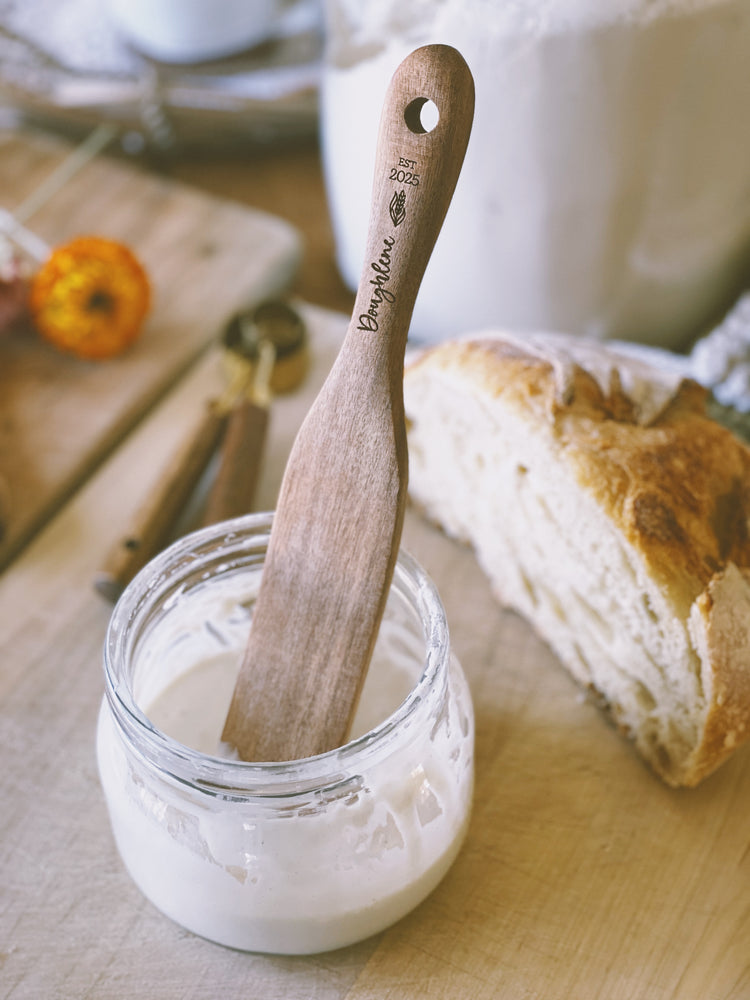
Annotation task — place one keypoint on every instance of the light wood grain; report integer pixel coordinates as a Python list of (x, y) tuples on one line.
[(147, 531), (59, 417), (583, 877), (339, 518)]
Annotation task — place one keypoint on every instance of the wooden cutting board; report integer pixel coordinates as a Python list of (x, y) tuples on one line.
[(59, 417), (582, 877)]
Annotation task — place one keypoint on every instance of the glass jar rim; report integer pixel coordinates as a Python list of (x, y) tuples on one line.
[(267, 779)]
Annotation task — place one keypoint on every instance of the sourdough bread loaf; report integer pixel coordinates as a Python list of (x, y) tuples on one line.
[(610, 511)]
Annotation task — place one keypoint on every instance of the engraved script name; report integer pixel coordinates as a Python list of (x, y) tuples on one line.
[(368, 321)]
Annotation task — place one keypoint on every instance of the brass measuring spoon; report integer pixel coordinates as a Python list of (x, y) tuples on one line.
[(265, 354), (265, 351)]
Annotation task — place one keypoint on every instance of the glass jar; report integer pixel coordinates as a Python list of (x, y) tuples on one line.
[(295, 857), (605, 187)]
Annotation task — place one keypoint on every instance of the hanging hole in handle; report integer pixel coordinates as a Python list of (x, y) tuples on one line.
[(421, 115)]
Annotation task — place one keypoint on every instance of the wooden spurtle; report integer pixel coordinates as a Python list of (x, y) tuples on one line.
[(338, 521)]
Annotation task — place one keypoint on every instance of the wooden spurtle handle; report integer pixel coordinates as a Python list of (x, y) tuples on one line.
[(415, 176), (241, 454), (337, 527), (147, 533)]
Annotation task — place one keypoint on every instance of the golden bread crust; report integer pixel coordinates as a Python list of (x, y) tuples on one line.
[(676, 487)]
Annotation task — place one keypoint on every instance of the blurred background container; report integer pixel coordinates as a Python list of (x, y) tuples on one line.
[(173, 74), (606, 189)]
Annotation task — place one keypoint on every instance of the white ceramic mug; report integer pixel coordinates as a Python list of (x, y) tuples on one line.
[(187, 31)]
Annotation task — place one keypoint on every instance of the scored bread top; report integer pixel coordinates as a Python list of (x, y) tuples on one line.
[(677, 486)]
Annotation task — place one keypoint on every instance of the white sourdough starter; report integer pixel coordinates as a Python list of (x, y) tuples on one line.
[(193, 707), (302, 873), (606, 187)]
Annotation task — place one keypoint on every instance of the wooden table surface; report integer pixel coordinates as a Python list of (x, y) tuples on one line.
[(288, 183), (205, 257), (582, 877)]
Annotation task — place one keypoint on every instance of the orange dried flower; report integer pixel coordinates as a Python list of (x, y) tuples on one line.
[(90, 297)]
